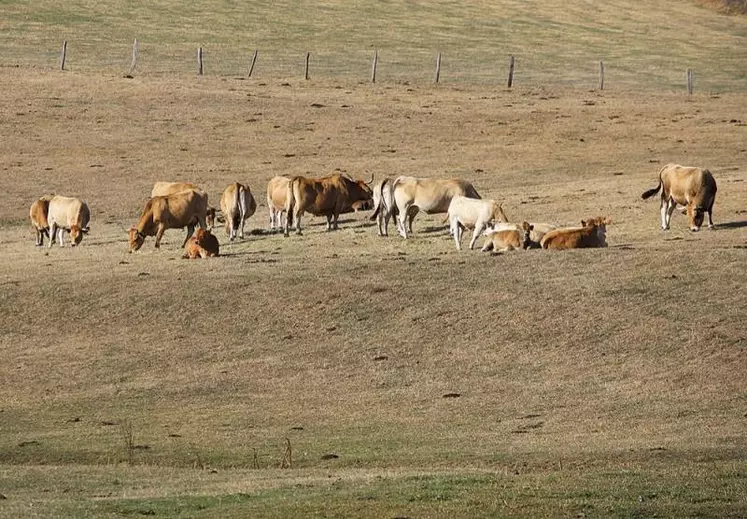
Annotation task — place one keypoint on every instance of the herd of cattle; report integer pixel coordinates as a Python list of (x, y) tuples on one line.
[(178, 205)]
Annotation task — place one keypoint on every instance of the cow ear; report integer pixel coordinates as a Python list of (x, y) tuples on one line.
[(583, 223)]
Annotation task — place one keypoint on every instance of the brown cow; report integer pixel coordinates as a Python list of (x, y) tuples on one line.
[(38, 215), (694, 188), (67, 214), (592, 233), (237, 204), (327, 196), (202, 245), (170, 188), (169, 212), (509, 239), (430, 195)]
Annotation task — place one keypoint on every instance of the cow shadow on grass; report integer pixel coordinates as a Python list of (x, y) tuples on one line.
[(736, 224), (434, 229)]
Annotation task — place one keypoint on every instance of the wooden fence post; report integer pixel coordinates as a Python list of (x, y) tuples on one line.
[(438, 68), (510, 72), (254, 60), (601, 75), (689, 82), (306, 70), (373, 66), (133, 63), (63, 55), (199, 61)]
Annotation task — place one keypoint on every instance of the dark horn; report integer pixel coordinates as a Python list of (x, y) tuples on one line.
[(370, 181)]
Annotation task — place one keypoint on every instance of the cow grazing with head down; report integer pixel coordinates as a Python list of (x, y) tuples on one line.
[(383, 205), (503, 240), (184, 209), (237, 204), (170, 188), (472, 213), (694, 188), (277, 196), (38, 215), (430, 195), (592, 233), (67, 214), (327, 196), (202, 245)]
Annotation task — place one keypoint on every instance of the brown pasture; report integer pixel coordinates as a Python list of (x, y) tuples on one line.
[(607, 381)]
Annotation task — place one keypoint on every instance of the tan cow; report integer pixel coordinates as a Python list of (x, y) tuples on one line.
[(694, 188), (327, 196), (384, 206), (237, 204), (38, 215), (509, 239), (202, 245), (592, 233), (65, 213), (538, 230), (185, 209), (170, 188), (474, 214), (277, 196), (430, 195)]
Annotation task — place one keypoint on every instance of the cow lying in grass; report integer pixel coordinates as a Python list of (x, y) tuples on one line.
[(202, 245), (536, 232), (504, 240), (694, 188), (592, 233)]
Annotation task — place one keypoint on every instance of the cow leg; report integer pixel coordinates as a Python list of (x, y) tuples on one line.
[(329, 222), (479, 227), (671, 206), (710, 216), (454, 228), (39, 238), (60, 234), (241, 229), (52, 231), (663, 209), (297, 216), (413, 212), (336, 217)]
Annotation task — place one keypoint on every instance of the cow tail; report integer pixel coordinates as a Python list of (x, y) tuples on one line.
[(377, 208), (241, 203), (651, 192)]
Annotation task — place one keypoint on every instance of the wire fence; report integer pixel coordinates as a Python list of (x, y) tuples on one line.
[(416, 66)]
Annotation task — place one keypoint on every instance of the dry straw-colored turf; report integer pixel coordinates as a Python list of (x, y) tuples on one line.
[(599, 382)]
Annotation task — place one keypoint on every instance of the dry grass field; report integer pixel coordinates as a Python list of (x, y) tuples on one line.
[(409, 379)]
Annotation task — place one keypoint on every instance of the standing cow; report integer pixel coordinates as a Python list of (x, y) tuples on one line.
[(170, 188), (277, 196), (472, 213), (384, 206), (430, 195), (237, 204), (67, 214), (695, 188), (185, 209), (327, 196), (38, 215)]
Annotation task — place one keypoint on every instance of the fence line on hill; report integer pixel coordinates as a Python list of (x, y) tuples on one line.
[(307, 67)]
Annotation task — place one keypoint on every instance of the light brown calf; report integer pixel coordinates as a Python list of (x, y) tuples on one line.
[(202, 245), (592, 233), (38, 215), (509, 239)]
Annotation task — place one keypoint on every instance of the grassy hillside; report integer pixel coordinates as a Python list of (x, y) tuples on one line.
[(646, 45), (408, 379)]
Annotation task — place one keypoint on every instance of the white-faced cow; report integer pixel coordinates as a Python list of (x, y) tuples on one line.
[(237, 204), (67, 214), (474, 214), (694, 188), (430, 195), (38, 215), (184, 209), (327, 196), (592, 233)]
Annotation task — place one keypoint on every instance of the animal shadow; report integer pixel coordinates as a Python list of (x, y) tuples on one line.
[(737, 224)]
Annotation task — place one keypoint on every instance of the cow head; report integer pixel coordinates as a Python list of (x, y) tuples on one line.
[(76, 234), (136, 239), (526, 229), (361, 190), (696, 215), (600, 223)]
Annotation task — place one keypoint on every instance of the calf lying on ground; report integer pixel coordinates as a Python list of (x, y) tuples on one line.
[(538, 230), (508, 239), (202, 245), (592, 233)]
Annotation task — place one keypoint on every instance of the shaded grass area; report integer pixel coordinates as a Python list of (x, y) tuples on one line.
[(702, 489)]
